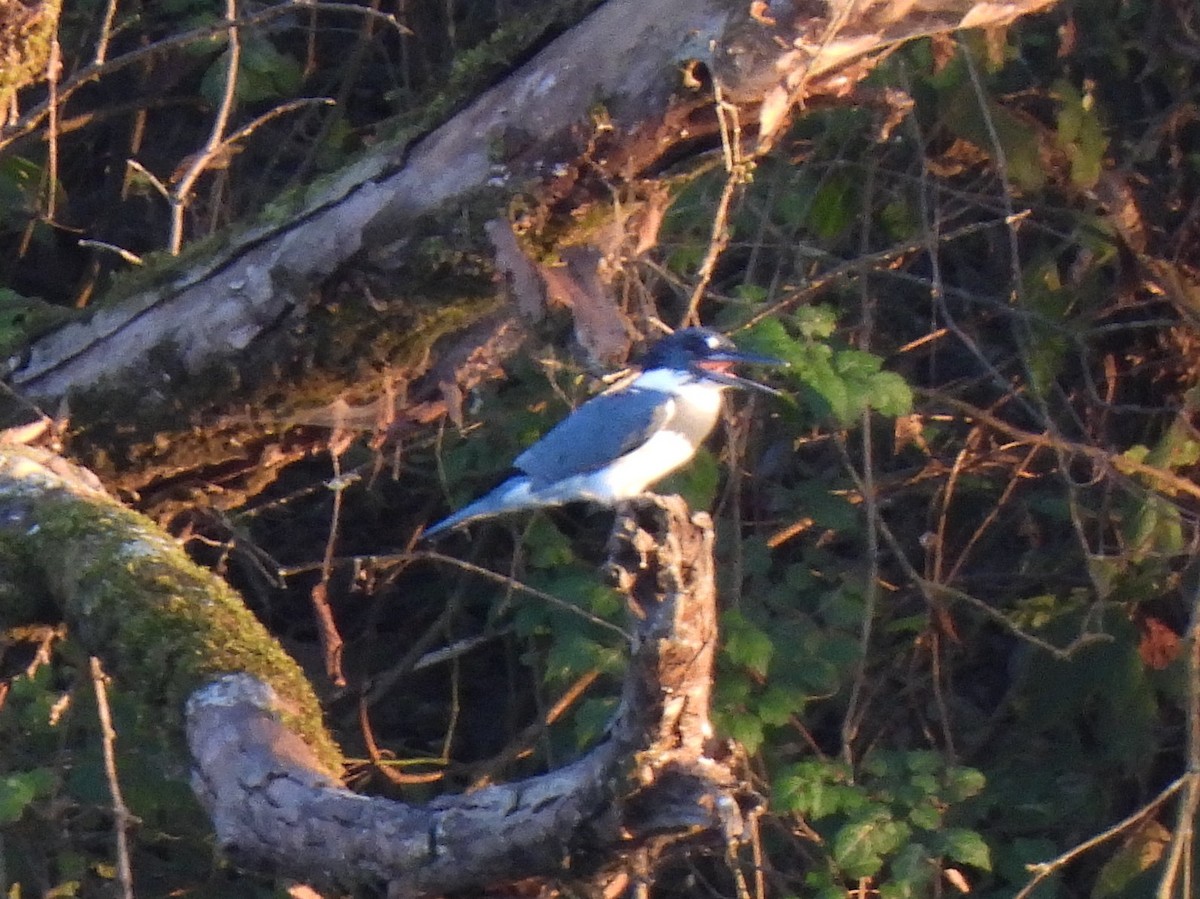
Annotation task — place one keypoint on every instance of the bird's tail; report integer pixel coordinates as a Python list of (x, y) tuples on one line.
[(513, 494)]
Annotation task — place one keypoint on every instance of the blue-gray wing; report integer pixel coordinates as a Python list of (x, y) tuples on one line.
[(602, 429)]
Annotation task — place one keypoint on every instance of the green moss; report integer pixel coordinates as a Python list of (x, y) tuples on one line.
[(163, 625), (27, 44)]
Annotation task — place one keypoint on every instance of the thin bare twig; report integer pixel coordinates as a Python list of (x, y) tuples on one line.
[(33, 119), (521, 745), (216, 136), (122, 819), (870, 497), (106, 27), (934, 591), (855, 267), (992, 515), (1181, 852), (1160, 478), (331, 640), (738, 173), (256, 123), (53, 72), (515, 585), (1043, 870)]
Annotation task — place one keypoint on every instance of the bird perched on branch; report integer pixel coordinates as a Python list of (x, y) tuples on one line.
[(616, 445)]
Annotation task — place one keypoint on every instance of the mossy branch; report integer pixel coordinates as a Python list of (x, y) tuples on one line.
[(163, 626)]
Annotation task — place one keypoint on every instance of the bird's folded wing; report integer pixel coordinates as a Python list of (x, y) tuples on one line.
[(601, 430)]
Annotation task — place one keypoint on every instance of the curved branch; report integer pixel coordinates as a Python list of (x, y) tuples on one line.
[(263, 764), (651, 777)]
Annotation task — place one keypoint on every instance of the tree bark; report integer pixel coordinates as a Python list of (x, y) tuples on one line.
[(163, 626), (653, 777), (529, 133), (263, 765)]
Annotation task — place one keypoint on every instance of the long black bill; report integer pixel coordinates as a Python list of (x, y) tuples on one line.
[(742, 358)]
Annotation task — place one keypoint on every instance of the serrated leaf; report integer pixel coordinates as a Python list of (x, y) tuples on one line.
[(966, 847), (926, 815), (856, 364), (890, 394), (817, 790), (922, 761), (963, 783), (747, 645), (778, 704), (815, 322), (860, 846), (770, 338), (745, 729)]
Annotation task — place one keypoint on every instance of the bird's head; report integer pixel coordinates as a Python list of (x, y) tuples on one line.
[(708, 356)]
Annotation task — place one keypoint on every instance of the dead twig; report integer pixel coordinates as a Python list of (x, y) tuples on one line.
[(1160, 479), (1042, 870), (122, 819), (182, 192), (1180, 859)]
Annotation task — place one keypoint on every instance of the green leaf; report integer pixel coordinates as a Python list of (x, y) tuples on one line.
[(1018, 136), (1080, 134), (890, 394), (923, 761), (926, 815), (263, 74), (835, 207), (963, 783), (861, 846), (815, 322), (547, 546), (592, 718), (1177, 449), (20, 183), (912, 872), (966, 847), (778, 704), (746, 644), (818, 789), (856, 364), (1156, 528), (771, 338), (1045, 358), (571, 654), (744, 728), (843, 608), (1140, 854), (19, 789)]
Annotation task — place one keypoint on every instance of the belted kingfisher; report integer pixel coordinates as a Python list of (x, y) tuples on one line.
[(617, 444)]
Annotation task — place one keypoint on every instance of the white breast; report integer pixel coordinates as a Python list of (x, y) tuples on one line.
[(667, 450)]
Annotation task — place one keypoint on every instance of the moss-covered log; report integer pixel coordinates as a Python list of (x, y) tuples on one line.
[(129, 594)]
